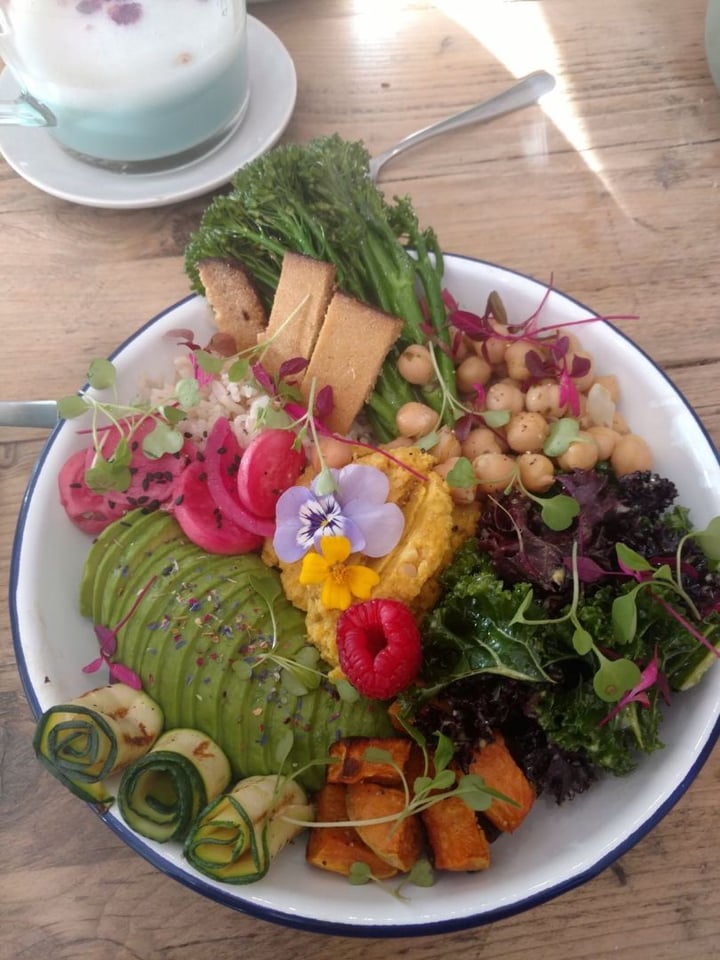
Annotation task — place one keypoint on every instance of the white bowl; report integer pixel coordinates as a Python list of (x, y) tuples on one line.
[(557, 848)]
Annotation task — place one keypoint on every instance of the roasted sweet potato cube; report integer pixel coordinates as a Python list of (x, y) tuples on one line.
[(457, 841), (337, 848), (397, 842), (353, 767), (495, 765)]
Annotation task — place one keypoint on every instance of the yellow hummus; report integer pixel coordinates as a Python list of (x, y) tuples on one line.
[(434, 529)]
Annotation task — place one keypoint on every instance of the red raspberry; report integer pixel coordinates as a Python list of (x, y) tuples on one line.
[(379, 647)]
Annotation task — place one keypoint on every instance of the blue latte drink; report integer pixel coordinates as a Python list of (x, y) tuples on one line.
[(133, 80)]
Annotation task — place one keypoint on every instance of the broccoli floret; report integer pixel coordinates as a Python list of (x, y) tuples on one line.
[(318, 200)]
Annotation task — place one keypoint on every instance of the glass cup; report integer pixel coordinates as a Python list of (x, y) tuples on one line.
[(128, 84), (712, 39)]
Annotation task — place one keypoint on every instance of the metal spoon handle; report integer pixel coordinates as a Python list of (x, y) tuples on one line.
[(522, 94), (28, 413)]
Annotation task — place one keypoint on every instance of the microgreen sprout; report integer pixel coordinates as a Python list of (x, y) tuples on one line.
[(563, 432), (107, 637), (451, 408), (709, 542), (557, 511), (494, 323), (427, 789), (650, 677), (421, 875), (613, 677), (112, 473), (657, 581)]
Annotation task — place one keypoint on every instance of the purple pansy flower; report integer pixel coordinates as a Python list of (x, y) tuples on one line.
[(356, 508)]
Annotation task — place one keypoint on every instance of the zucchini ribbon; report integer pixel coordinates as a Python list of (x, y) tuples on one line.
[(85, 741), (238, 835), (162, 793)]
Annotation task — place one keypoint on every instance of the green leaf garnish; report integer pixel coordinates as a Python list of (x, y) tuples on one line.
[(422, 874), (101, 374), (558, 512), (378, 755), (428, 441), (359, 873), (324, 482), (496, 418), (208, 362), (615, 678), (631, 558), (73, 406), (242, 669), (238, 370), (624, 616), (104, 476), (443, 752), (187, 393), (283, 744), (346, 691), (582, 641), (462, 474), (562, 433), (709, 540), (443, 780), (162, 439)]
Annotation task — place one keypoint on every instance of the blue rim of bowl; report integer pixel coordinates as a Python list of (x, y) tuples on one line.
[(333, 928)]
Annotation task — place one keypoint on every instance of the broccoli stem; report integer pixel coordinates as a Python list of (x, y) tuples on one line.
[(382, 417)]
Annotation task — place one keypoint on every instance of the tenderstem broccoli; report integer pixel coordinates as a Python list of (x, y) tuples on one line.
[(318, 199)]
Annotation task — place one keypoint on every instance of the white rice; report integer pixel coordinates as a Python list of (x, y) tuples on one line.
[(242, 402)]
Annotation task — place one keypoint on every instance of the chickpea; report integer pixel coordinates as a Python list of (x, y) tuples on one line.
[(605, 438), (399, 442), (472, 370), (544, 398), (516, 359), (415, 365), (481, 440), (631, 453), (574, 344), (582, 454), (527, 432), (620, 424), (334, 453), (447, 446), (462, 345), (504, 396), (537, 473), (494, 472), (610, 382), (415, 419), (491, 349), (459, 495)]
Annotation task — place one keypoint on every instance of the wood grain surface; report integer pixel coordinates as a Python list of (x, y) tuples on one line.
[(614, 192)]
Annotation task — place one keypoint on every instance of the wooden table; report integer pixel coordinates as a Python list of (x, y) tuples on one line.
[(614, 191)]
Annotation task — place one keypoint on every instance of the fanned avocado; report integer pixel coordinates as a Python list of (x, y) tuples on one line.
[(198, 629)]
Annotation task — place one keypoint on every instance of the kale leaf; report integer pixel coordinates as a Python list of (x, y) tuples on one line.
[(470, 631)]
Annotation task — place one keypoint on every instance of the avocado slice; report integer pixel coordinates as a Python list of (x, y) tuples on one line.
[(215, 643)]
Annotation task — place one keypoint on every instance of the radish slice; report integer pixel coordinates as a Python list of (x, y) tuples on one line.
[(270, 465), (153, 479), (88, 510), (202, 521), (222, 458)]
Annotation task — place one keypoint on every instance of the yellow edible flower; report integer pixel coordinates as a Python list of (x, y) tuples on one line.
[(340, 581)]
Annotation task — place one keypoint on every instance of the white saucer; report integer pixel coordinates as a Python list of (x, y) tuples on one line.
[(34, 154)]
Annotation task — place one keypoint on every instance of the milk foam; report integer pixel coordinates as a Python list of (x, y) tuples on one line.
[(78, 60)]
